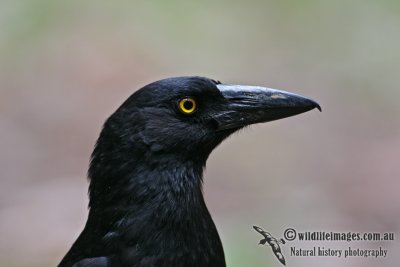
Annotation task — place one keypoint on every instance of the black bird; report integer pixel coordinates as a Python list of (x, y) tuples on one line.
[(146, 204), (273, 242)]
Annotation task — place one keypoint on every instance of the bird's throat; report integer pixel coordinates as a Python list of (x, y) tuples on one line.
[(164, 203)]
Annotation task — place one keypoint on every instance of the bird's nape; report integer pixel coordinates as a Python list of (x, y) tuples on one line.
[(146, 203)]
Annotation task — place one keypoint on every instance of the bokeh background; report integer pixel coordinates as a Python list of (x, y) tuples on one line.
[(65, 66)]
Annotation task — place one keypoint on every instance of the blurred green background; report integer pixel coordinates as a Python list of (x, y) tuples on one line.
[(65, 66)]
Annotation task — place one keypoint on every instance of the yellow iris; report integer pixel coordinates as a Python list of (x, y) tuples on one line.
[(187, 105)]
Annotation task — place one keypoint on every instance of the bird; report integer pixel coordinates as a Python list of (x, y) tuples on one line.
[(146, 205), (273, 242)]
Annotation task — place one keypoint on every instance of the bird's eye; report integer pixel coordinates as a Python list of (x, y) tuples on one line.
[(187, 105)]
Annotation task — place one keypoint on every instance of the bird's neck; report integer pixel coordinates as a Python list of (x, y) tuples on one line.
[(156, 191), (132, 183), (162, 201)]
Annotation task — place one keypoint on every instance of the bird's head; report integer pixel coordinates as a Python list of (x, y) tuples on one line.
[(187, 117), (179, 121)]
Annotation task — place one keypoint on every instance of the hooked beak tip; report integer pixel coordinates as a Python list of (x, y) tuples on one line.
[(316, 105)]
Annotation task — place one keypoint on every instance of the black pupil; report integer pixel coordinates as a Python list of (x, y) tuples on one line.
[(188, 104)]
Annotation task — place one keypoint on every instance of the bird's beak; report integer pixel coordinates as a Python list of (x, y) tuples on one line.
[(247, 105)]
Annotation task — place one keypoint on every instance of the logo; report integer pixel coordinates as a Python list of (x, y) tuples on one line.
[(323, 249), (272, 242)]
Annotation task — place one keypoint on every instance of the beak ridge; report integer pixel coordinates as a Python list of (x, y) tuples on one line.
[(245, 105)]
